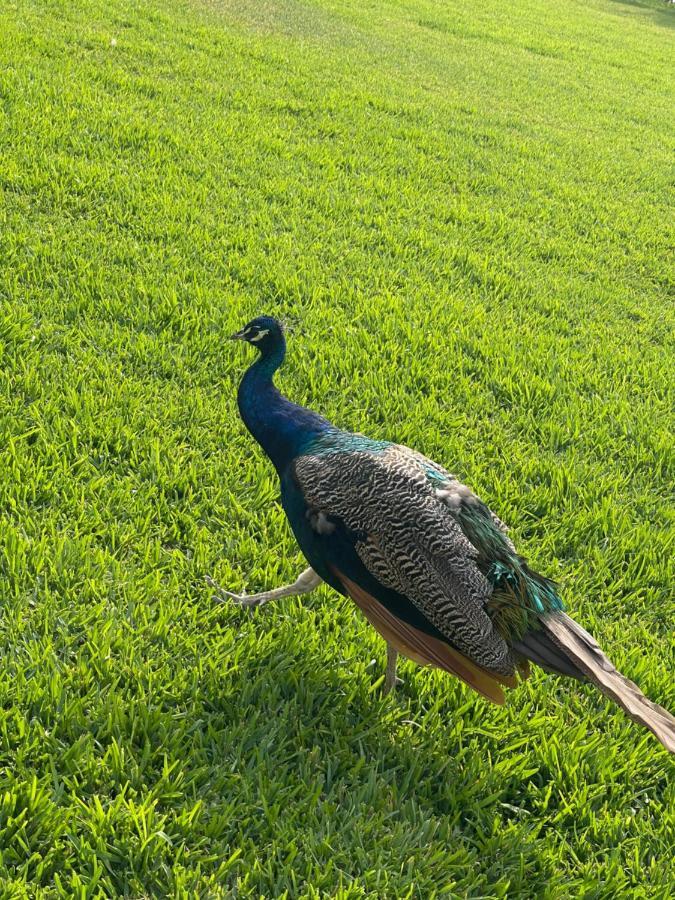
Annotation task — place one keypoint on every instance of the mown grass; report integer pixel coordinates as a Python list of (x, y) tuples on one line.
[(466, 210)]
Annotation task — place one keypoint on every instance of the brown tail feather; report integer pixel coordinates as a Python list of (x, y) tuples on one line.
[(425, 649), (583, 651)]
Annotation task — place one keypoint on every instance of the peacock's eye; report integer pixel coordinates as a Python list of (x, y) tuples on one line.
[(259, 334)]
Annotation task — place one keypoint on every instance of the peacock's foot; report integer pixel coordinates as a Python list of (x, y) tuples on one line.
[(223, 596), (304, 583)]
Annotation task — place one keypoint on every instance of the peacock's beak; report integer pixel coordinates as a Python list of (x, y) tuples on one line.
[(237, 336)]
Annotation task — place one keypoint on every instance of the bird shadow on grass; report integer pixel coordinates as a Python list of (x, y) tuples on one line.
[(327, 740)]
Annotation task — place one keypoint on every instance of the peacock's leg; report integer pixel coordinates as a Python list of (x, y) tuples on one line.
[(390, 678), (303, 584)]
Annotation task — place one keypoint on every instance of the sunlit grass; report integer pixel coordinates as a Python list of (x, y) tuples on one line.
[(465, 208)]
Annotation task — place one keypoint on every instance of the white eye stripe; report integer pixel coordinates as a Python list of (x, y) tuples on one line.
[(260, 335)]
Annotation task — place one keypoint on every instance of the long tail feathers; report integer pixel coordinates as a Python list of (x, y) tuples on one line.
[(581, 649), (540, 648)]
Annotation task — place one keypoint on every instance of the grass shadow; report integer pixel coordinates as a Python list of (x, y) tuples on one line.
[(661, 13), (347, 758)]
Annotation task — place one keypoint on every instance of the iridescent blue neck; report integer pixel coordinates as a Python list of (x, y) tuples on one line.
[(283, 429)]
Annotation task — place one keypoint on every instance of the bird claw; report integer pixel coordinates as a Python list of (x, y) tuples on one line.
[(303, 584), (223, 596), (243, 600)]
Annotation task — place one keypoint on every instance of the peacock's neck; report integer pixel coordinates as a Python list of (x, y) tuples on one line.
[(281, 428)]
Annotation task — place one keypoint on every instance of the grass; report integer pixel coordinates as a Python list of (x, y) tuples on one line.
[(466, 210)]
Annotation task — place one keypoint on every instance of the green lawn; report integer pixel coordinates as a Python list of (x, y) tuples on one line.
[(465, 209)]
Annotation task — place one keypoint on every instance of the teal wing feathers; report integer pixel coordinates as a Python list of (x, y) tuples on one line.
[(458, 494)]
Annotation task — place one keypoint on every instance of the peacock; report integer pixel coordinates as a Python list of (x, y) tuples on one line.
[(430, 566)]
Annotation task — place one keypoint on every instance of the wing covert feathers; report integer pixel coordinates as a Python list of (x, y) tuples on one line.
[(425, 649), (580, 647), (407, 538)]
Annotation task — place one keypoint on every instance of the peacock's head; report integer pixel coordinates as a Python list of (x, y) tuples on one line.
[(265, 333)]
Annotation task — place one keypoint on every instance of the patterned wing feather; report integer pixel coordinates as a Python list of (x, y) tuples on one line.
[(519, 595), (425, 649), (453, 492), (407, 537)]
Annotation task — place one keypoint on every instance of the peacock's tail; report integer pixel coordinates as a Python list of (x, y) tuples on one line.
[(565, 647)]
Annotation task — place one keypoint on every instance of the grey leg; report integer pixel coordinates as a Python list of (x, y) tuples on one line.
[(303, 584), (390, 678)]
